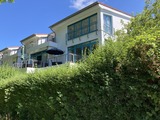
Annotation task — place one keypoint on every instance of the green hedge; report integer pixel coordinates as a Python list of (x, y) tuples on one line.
[(119, 81), (106, 86)]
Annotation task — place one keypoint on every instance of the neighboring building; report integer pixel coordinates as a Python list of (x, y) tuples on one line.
[(76, 35), (35, 47), (1, 58), (11, 56)]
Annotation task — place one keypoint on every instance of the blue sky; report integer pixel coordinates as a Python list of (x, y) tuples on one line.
[(22, 18)]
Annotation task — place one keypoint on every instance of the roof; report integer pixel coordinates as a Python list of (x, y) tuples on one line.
[(86, 8), (115, 9), (9, 48), (33, 35)]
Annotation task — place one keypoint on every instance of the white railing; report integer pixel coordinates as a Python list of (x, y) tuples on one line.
[(65, 58), (54, 60), (73, 57)]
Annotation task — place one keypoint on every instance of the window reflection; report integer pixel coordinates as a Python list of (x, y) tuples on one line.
[(82, 27), (107, 24), (80, 51)]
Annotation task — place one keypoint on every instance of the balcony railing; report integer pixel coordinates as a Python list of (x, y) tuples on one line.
[(55, 60)]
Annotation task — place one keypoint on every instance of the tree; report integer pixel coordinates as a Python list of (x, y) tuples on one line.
[(1, 1), (140, 70)]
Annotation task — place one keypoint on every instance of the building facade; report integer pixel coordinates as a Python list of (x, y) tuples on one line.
[(34, 49), (76, 35), (11, 56), (81, 32)]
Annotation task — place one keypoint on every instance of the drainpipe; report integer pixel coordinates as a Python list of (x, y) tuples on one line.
[(22, 56), (100, 28)]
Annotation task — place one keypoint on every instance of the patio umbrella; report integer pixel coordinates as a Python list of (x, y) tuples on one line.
[(55, 51)]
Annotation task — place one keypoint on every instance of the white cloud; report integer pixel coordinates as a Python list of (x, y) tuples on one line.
[(79, 4)]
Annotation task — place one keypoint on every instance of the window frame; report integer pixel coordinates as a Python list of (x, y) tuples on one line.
[(110, 28), (87, 28), (82, 46)]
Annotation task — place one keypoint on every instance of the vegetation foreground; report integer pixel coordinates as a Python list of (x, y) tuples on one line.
[(119, 81)]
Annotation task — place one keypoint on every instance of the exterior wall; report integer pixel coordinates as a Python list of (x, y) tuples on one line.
[(117, 18), (11, 56), (34, 48), (32, 45), (61, 29)]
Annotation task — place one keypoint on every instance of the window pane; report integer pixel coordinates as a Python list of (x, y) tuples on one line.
[(93, 23), (86, 50), (78, 29), (82, 27), (94, 46), (71, 28), (71, 32), (85, 26), (44, 40), (78, 53), (107, 24), (71, 54)]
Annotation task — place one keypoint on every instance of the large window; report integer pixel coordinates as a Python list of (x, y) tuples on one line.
[(81, 50), (42, 40), (107, 24), (85, 26), (77, 29), (82, 27), (13, 52), (93, 23), (71, 32)]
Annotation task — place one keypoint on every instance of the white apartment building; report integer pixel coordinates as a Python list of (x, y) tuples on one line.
[(81, 32), (75, 36), (11, 56), (34, 49)]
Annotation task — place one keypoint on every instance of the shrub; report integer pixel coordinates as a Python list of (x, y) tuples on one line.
[(119, 81)]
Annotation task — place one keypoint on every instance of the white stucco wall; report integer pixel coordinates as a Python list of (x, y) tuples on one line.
[(117, 18), (61, 28)]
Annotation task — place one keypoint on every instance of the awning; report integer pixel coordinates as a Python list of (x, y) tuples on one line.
[(55, 51)]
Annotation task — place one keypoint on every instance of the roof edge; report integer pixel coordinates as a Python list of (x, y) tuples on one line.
[(115, 9), (31, 37), (4, 49), (90, 6), (79, 11), (9, 48)]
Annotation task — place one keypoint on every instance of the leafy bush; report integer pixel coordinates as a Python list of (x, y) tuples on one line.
[(108, 85), (7, 72), (119, 81)]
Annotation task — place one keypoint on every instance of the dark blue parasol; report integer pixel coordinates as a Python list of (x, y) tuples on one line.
[(55, 51)]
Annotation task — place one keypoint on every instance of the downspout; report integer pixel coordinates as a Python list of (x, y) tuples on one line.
[(22, 56)]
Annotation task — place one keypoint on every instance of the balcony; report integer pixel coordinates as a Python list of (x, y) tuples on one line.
[(40, 47), (48, 62)]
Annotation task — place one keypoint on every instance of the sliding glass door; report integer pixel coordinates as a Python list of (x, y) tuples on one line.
[(80, 51)]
